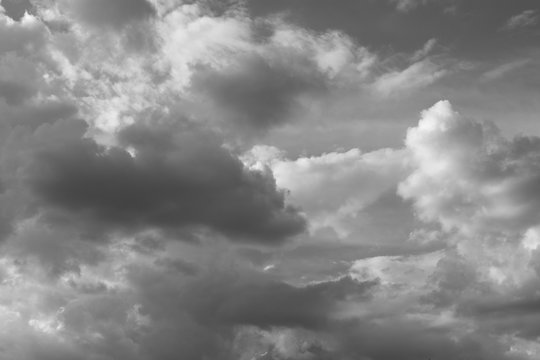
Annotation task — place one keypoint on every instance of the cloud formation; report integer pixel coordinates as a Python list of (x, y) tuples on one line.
[(173, 180), (468, 176), (525, 19), (267, 138)]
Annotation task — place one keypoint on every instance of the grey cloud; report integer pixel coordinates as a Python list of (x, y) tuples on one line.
[(13, 93), (521, 306), (200, 318), (179, 178), (231, 300), (395, 339), (525, 19), (408, 5), (21, 343), (15, 9), (251, 300), (112, 13), (21, 39), (257, 92), (454, 278), (57, 251), (469, 27), (176, 180), (280, 304), (179, 265), (34, 115), (7, 213), (323, 258), (505, 313)]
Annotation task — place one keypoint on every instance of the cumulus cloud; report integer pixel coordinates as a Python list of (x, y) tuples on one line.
[(468, 176), (481, 188)]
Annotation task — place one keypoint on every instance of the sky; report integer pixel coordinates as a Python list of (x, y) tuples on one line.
[(269, 180)]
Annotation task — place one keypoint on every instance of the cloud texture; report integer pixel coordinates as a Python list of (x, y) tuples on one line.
[(215, 180)]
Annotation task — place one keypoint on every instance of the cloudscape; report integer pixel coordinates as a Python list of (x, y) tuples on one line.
[(269, 180)]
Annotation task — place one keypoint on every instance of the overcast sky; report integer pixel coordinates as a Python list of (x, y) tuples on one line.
[(269, 179)]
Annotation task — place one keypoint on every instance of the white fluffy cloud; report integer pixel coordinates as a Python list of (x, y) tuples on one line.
[(467, 176), (333, 188)]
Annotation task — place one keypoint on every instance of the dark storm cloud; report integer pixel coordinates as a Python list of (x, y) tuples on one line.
[(469, 28), (176, 180), (113, 13)]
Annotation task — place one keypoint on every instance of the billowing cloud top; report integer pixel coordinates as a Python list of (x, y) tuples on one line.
[(257, 180)]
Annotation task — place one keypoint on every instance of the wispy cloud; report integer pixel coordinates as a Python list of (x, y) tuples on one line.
[(502, 70), (525, 19)]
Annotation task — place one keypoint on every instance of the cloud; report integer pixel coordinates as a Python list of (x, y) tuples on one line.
[(425, 50), (21, 37), (525, 19), (417, 75), (56, 251), (111, 13), (126, 125), (482, 189), (260, 93), (468, 176), (16, 9), (254, 74), (274, 304), (155, 313), (408, 5), (411, 340), (504, 69), (174, 180), (208, 314), (333, 188)]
